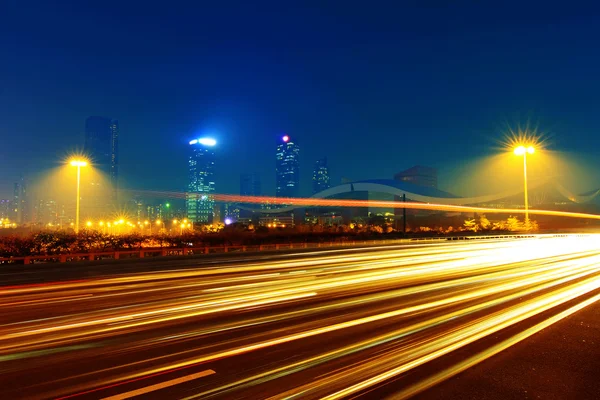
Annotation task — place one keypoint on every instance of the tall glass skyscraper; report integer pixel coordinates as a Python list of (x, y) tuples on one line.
[(250, 185), (20, 203), (200, 203), (287, 168), (321, 176), (102, 145)]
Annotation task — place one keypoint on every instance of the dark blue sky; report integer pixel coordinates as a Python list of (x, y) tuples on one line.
[(375, 86)]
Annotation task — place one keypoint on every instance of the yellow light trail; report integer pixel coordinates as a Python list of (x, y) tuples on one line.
[(320, 202), (343, 321)]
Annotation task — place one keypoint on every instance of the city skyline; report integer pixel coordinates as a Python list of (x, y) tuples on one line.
[(449, 78), (457, 86)]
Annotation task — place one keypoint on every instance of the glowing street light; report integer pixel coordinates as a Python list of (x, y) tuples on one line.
[(78, 163), (523, 151)]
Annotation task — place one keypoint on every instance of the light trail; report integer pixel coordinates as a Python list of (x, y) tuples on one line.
[(317, 325), (294, 202)]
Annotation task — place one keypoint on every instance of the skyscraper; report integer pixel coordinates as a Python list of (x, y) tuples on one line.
[(20, 210), (287, 168), (16, 203), (5, 208), (250, 185), (102, 145), (419, 175), (200, 203), (321, 176)]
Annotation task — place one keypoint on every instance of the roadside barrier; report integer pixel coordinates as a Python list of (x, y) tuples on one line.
[(186, 251)]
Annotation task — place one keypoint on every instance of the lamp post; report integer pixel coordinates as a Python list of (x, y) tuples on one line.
[(523, 151), (78, 164)]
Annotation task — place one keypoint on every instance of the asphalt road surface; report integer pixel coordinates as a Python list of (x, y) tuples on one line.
[(377, 322)]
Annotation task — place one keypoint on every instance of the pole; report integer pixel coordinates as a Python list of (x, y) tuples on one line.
[(525, 186), (77, 203), (404, 214)]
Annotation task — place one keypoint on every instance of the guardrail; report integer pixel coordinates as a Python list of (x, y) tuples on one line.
[(186, 251)]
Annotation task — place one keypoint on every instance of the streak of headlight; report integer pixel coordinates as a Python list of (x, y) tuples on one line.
[(315, 202), (319, 202), (326, 329), (478, 331), (484, 355), (394, 335), (263, 301)]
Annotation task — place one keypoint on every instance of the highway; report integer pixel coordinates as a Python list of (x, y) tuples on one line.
[(365, 322)]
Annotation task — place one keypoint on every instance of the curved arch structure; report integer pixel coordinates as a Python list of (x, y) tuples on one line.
[(581, 198), (412, 192)]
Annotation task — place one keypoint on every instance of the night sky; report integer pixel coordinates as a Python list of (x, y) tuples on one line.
[(375, 86)]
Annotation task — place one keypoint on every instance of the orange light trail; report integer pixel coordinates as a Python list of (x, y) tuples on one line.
[(317, 324), (318, 202)]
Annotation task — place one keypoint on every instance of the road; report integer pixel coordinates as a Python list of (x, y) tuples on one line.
[(365, 322)]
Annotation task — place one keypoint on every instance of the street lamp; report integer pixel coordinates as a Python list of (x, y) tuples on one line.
[(78, 163), (523, 151)]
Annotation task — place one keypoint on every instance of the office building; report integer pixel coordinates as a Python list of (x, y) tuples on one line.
[(102, 146), (250, 185), (5, 208), (228, 212), (287, 168), (19, 205), (47, 212), (419, 175), (200, 203), (321, 176)]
